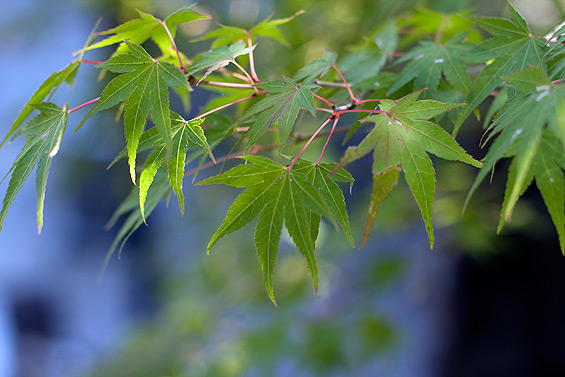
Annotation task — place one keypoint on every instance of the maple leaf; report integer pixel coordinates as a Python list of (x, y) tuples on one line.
[(277, 195), (402, 137), (316, 68), (428, 61), (43, 138), (520, 129), (143, 83), (513, 48), (146, 27), (267, 28), (282, 105), (547, 172), (218, 58), (183, 133)]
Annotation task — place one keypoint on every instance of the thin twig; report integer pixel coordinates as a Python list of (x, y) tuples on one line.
[(223, 107), (226, 84), (353, 99), (323, 100), (181, 65), (245, 73), (328, 140), (83, 105), (368, 100), (251, 61), (234, 74), (359, 111), (256, 149), (81, 60), (309, 141), (330, 84)]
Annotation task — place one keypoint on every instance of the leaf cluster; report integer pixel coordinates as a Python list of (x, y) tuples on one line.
[(410, 92)]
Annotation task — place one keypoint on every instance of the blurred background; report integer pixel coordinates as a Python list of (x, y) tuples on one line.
[(477, 305)]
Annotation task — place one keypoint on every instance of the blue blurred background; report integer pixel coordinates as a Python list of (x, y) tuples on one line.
[(477, 305)]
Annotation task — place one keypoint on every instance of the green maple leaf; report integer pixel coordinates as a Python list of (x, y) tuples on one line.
[(277, 195), (513, 48), (282, 105), (402, 137), (43, 138), (225, 35), (317, 67), (219, 57), (428, 61), (146, 27), (520, 129), (184, 134), (143, 84), (547, 171)]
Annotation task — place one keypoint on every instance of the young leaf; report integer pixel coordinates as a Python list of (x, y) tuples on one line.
[(145, 27), (226, 35), (281, 106), (403, 136), (43, 138), (268, 28), (218, 58), (277, 195)]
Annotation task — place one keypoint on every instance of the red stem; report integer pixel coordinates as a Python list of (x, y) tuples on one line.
[(245, 73), (323, 100), (310, 140), (327, 141), (223, 107), (368, 100), (181, 65), (359, 111), (234, 74), (323, 109), (251, 61), (227, 84), (90, 61), (353, 99), (83, 105)]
